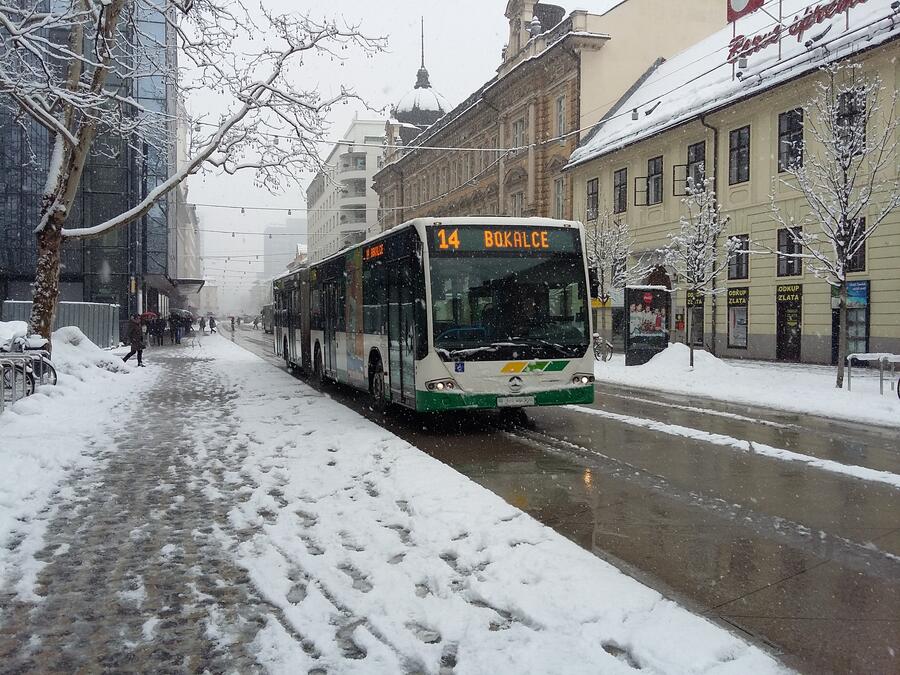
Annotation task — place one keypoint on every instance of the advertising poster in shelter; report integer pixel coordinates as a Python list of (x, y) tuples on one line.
[(649, 309)]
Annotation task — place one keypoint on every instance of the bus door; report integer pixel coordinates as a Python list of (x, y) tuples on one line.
[(331, 318), (402, 330), (293, 313)]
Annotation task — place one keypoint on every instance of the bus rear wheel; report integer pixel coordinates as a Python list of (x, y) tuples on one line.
[(377, 389)]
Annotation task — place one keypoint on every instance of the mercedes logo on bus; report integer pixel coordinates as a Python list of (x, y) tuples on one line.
[(515, 384)]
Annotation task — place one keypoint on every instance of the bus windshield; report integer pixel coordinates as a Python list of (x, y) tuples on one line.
[(491, 307)]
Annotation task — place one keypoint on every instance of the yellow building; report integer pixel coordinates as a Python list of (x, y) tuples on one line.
[(730, 109), (558, 74)]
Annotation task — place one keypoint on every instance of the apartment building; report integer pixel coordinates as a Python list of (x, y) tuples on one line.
[(731, 109), (342, 204), (511, 138)]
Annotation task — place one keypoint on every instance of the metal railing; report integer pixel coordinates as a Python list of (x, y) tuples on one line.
[(10, 366), (883, 359), (15, 363)]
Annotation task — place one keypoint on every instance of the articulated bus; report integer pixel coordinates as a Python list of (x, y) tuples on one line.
[(449, 313)]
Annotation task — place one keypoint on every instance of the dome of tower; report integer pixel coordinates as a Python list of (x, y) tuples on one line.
[(422, 106)]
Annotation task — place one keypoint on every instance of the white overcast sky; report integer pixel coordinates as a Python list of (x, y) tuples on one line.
[(463, 39)]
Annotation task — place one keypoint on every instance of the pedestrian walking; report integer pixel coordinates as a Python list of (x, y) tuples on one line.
[(256, 323), (212, 324), (202, 323), (135, 337), (157, 329)]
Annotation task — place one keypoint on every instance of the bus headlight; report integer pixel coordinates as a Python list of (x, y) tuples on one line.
[(441, 385), (582, 379)]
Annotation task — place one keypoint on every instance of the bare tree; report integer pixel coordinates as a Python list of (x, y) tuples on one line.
[(845, 169), (73, 67), (609, 245), (694, 252)]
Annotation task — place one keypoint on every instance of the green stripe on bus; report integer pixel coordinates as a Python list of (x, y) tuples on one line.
[(556, 366), (536, 366), (429, 401)]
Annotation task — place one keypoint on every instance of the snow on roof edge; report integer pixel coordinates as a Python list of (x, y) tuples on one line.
[(766, 72)]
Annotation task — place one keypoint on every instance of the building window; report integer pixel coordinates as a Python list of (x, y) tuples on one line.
[(655, 180), (518, 133), (790, 139), (739, 265), (620, 191), (738, 317), (739, 156), (787, 245), (696, 165), (851, 121), (518, 204), (561, 116), (857, 261), (593, 198), (559, 198)]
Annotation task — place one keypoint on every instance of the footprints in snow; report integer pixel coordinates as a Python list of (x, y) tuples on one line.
[(360, 581)]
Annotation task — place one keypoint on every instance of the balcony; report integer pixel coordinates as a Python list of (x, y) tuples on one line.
[(352, 201), (352, 165), (352, 237), (353, 218)]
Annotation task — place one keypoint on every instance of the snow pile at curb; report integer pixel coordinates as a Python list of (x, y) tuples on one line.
[(47, 435), (74, 354), (797, 388), (676, 359), (381, 559)]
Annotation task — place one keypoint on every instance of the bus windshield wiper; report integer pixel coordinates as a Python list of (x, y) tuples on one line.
[(533, 342)]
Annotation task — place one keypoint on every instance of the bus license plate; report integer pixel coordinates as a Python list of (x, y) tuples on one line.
[(514, 401)]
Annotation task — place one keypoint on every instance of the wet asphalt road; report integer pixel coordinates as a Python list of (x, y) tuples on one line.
[(800, 559)]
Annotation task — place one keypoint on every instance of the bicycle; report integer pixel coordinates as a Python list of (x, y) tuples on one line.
[(21, 376), (35, 347), (603, 350)]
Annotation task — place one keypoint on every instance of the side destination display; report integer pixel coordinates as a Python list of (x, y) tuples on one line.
[(450, 239)]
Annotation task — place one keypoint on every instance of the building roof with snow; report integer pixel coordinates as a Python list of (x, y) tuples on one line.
[(713, 73)]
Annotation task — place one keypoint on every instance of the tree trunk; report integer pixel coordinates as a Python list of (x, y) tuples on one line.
[(46, 278), (842, 335), (688, 336), (603, 321)]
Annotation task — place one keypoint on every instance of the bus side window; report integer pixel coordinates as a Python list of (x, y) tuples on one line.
[(374, 296), (315, 309)]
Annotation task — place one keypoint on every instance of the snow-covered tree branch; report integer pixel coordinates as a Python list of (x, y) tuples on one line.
[(694, 251), (609, 246), (77, 67), (845, 168)]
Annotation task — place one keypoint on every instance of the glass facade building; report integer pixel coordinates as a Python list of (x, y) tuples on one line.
[(119, 173)]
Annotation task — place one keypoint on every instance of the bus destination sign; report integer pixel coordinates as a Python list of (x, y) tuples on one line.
[(447, 240), (374, 251)]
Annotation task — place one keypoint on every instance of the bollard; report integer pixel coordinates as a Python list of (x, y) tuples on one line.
[(881, 376)]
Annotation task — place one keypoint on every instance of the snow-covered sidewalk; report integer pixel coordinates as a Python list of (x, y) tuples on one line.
[(362, 554), (799, 388), (47, 436)]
